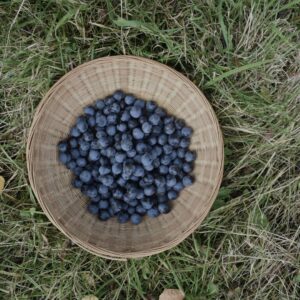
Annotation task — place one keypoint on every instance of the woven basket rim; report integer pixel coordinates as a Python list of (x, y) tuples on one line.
[(97, 250)]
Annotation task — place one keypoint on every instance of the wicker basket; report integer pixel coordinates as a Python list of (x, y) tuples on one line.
[(66, 206)]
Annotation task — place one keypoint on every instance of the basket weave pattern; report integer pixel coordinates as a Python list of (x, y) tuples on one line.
[(50, 180)]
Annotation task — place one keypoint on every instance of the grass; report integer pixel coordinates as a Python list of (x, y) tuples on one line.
[(244, 55)]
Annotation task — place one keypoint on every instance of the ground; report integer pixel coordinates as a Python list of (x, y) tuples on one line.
[(244, 56)]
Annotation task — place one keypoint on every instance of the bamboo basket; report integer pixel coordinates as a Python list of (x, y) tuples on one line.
[(65, 206)]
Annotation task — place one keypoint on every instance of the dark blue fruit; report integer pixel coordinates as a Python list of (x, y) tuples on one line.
[(141, 147), (73, 143), (131, 210), (141, 210), (125, 206), (166, 160), (89, 110), (71, 165), (85, 146), (187, 168), (174, 140), (139, 102), (110, 152), (111, 130), (163, 169), (82, 125), (146, 159), (162, 139), (147, 203), (146, 127), (173, 170), (187, 180), (190, 156), (160, 180), (129, 99), (120, 157), (107, 180), (103, 204), (149, 179), (131, 153), (129, 157), (88, 136), (135, 111), (156, 163), (178, 186), (153, 212), (132, 123), (139, 171), (152, 140), (103, 170), (128, 169), (95, 199), (121, 182), (117, 137), (179, 123), (119, 95), (102, 189), (83, 153), (122, 127), (180, 152), (85, 176), (75, 132), (125, 116), (123, 217), (158, 150), (91, 191), (104, 215), (186, 131), (77, 171), (77, 183), (167, 149), (172, 195), (126, 145), (160, 111), (137, 133), (150, 106), (94, 155), (93, 208), (149, 190), (112, 118), (118, 194), (116, 205), (169, 128), (64, 157), (161, 190), (154, 119), (100, 104), (101, 121), (184, 143), (162, 198), (135, 219), (91, 121), (116, 169), (103, 142), (142, 119), (164, 208), (156, 130), (171, 180), (168, 120), (62, 146)]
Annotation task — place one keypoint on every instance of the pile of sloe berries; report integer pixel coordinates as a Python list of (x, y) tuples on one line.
[(129, 157)]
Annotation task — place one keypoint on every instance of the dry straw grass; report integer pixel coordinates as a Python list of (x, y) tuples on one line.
[(244, 56)]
